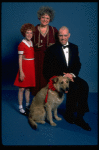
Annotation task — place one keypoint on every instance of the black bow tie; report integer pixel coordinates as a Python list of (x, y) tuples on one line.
[(65, 46)]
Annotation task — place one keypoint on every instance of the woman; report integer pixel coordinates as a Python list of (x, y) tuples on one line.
[(26, 75), (44, 37)]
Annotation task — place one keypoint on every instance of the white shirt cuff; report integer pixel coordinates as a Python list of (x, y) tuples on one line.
[(73, 75)]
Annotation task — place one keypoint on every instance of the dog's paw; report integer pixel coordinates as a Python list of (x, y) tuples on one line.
[(53, 124), (58, 118), (43, 122), (40, 121)]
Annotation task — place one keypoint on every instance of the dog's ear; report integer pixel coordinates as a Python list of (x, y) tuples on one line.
[(55, 79)]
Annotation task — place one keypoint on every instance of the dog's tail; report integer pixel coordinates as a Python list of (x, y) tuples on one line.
[(32, 123)]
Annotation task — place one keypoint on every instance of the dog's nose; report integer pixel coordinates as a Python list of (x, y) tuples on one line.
[(67, 88)]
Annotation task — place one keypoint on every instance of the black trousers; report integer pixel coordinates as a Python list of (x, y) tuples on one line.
[(77, 97)]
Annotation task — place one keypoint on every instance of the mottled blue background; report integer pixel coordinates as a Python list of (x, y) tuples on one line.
[(80, 17)]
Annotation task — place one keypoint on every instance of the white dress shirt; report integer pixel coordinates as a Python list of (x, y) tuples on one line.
[(66, 53)]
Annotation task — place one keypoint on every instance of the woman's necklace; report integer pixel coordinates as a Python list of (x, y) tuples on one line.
[(44, 33)]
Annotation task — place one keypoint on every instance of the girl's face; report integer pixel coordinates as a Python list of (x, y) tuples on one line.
[(45, 19), (29, 34)]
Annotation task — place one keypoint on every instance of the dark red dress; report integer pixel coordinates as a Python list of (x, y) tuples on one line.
[(28, 65), (41, 43)]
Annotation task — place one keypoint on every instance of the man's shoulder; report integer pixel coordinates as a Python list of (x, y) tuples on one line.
[(57, 44), (54, 46), (73, 45)]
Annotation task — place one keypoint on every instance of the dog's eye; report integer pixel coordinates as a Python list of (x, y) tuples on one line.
[(62, 82), (66, 81)]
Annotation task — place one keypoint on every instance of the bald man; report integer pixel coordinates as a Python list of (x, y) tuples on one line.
[(63, 59)]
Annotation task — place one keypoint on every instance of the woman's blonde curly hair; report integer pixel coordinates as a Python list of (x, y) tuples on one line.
[(46, 10)]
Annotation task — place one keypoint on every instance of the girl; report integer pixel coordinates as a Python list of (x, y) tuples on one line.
[(26, 75)]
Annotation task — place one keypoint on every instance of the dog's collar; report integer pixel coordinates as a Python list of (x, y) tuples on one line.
[(50, 86)]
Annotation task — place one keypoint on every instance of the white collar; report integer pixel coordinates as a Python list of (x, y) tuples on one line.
[(24, 41), (66, 43)]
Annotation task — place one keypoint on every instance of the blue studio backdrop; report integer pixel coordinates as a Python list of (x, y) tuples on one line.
[(80, 17)]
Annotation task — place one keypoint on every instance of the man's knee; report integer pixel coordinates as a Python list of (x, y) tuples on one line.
[(85, 85), (82, 84)]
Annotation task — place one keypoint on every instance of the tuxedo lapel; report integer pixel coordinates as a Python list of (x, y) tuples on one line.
[(70, 54), (61, 56)]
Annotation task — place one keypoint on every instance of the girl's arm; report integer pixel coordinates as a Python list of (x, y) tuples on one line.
[(21, 76)]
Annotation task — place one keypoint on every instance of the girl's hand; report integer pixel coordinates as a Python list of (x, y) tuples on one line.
[(22, 76)]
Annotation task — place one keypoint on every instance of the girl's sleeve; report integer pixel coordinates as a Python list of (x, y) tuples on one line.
[(21, 48)]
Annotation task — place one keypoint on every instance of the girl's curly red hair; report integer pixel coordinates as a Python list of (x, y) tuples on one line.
[(26, 27)]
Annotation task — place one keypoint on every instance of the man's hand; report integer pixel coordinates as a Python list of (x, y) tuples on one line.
[(69, 76)]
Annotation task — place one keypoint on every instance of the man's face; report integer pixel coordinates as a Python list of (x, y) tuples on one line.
[(63, 36)]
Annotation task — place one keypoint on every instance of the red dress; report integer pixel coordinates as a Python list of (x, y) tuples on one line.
[(28, 65), (41, 43)]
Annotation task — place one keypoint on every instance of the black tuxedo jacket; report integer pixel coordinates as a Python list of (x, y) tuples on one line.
[(55, 62)]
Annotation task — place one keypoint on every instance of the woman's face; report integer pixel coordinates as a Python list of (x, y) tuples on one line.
[(29, 34), (45, 19)]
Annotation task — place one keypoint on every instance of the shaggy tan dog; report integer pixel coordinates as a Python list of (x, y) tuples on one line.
[(39, 110)]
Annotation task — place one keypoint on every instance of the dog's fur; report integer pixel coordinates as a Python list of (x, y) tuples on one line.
[(39, 110)]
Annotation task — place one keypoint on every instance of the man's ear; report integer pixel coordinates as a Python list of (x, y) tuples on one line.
[(69, 35)]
